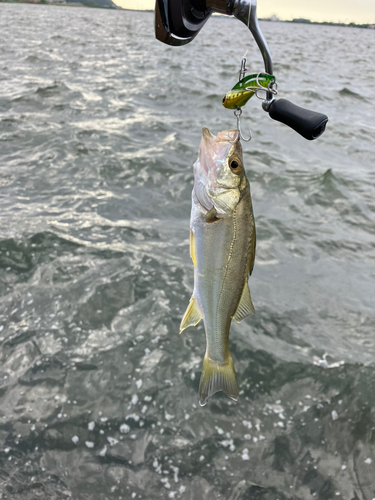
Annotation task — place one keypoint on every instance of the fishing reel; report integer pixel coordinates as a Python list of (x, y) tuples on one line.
[(177, 22)]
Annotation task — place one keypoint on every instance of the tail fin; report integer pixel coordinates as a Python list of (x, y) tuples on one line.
[(217, 377)]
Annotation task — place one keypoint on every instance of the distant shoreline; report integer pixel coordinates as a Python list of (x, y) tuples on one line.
[(326, 23), (93, 4)]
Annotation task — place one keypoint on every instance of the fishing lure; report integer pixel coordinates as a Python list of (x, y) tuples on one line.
[(238, 96)]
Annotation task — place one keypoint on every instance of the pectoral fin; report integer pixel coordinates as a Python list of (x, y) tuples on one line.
[(211, 215), (192, 316), (245, 306)]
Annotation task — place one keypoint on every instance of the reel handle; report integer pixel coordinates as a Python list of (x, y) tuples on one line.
[(309, 124)]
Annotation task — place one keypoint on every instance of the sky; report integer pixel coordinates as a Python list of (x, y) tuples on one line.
[(358, 11)]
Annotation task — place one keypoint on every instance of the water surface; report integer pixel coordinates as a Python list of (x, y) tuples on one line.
[(99, 128)]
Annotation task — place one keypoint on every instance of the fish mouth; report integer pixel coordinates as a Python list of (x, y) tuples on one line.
[(229, 136), (207, 135)]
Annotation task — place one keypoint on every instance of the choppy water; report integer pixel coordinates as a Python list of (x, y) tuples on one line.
[(99, 128)]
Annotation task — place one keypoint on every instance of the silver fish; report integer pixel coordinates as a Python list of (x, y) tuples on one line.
[(222, 247)]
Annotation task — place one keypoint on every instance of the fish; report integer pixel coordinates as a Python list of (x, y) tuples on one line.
[(222, 248), (246, 88)]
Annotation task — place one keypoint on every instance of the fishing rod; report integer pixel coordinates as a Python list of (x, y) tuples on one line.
[(177, 22)]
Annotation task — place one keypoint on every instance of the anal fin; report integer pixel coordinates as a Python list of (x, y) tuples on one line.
[(192, 316), (245, 306)]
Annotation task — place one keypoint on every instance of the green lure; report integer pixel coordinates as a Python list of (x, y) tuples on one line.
[(246, 88)]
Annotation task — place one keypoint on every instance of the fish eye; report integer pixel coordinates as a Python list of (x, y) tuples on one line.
[(224, 99), (235, 165)]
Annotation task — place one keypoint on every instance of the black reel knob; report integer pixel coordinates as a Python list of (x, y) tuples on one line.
[(307, 123)]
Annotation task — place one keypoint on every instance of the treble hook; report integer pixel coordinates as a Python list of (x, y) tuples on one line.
[(237, 114)]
